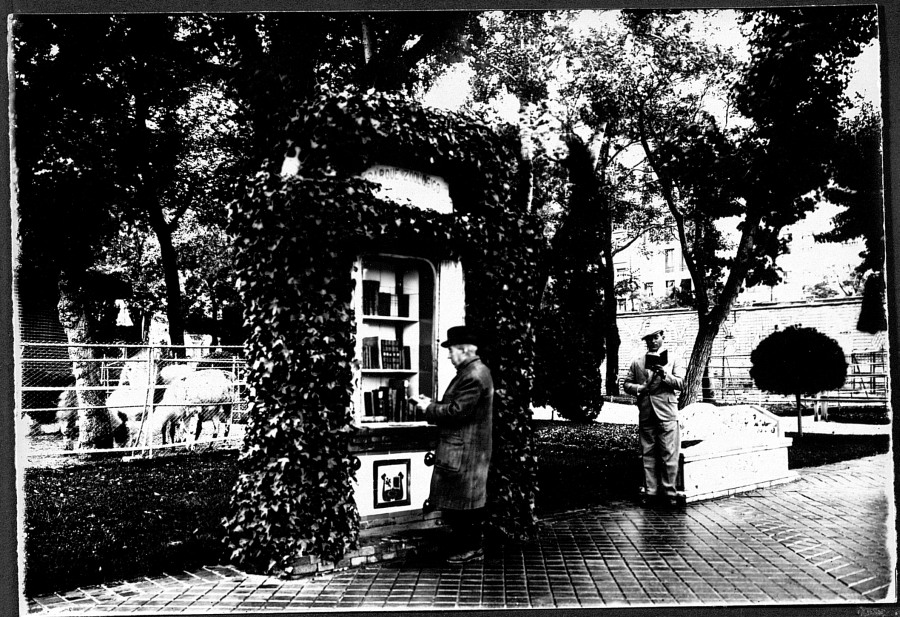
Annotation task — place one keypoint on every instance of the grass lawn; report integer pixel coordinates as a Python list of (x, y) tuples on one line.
[(856, 414), (104, 521)]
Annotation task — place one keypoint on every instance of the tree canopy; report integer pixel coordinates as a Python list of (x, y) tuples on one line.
[(765, 174)]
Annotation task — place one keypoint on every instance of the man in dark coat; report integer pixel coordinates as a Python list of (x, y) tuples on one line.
[(653, 378), (463, 456)]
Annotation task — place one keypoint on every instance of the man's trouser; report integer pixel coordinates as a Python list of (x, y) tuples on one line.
[(465, 527), (660, 449)]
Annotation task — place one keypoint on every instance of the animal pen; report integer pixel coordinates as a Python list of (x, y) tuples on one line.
[(203, 387)]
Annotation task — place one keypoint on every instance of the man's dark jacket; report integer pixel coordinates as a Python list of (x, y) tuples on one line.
[(463, 455)]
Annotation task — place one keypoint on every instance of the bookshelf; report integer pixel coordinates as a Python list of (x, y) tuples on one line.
[(395, 303)]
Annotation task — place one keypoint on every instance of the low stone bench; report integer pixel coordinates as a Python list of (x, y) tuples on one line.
[(731, 449)]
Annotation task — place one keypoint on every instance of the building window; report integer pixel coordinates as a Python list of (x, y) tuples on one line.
[(648, 288), (670, 284), (621, 304), (683, 265), (686, 284), (621, 273), (670, 259)]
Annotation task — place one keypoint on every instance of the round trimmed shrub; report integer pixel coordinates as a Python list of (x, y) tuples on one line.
[(798, 361)]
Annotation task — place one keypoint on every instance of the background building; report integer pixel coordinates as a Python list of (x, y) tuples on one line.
[(647, 273)]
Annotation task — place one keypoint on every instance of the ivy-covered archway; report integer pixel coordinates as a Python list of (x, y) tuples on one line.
[(298, 237)]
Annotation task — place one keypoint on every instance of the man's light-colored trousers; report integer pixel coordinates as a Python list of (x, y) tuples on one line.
[(660, 449)]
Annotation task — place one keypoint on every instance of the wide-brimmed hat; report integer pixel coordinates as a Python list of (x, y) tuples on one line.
[(652, 332), (460, 335)]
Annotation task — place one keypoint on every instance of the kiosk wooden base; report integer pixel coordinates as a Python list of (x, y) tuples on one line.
[(393, 480)]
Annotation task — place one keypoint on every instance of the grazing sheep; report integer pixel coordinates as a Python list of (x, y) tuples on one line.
[(189, 401)]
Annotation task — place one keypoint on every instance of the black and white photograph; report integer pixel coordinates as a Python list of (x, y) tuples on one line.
[(416, 310)]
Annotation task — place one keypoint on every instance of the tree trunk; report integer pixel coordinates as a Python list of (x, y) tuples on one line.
[(94, 429), (708, 328), (708, 392), (610, 327), (174, 310), (367, 42), (526, 173), (214, 309), (149, 203), (799, 417)]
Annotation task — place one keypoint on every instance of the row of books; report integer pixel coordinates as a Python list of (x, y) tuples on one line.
[(391, 403), (387, 354), (376, 302)]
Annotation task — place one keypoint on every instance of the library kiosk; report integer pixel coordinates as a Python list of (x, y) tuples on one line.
[(403, 306)]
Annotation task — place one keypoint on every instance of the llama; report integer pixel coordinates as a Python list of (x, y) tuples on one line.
[(189, 401)]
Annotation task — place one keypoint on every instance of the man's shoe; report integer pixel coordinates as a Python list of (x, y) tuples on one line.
[(469, 556), (648, 501), (673, 503)]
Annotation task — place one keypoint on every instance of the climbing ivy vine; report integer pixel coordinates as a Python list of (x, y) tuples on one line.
[(298, 237)]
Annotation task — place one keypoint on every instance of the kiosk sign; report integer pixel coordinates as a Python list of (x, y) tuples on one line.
[(410, 188)]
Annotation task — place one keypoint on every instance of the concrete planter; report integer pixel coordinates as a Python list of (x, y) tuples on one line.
[(736, 449), (716, 468)]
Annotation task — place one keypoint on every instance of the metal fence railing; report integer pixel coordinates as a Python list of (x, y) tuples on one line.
[(203, 383), (729, 381)]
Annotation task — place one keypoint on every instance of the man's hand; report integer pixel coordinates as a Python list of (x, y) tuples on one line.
[(421, 401)]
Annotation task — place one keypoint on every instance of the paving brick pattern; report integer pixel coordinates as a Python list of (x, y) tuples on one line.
[(821, 539)]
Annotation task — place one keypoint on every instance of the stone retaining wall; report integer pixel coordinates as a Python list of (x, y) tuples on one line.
[(745, 327)]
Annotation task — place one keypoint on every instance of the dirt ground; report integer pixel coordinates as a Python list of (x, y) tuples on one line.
[(39, 449)]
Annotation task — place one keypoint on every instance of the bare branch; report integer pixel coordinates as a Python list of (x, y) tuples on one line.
[(667, 191), (641, 233)]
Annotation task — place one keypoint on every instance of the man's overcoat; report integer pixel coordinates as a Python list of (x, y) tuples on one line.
[(463, 456), (660, 397)]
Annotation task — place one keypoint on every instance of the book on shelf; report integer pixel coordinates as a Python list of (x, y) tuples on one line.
[(391, 355), (402, 298), (391, 403), (370, 297), (384, 304), (406, 362), (370, 355), (378, 406), (400, 394)]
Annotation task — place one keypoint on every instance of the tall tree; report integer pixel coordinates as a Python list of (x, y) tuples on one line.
[(101, 137), (570, 345), (64, 188), (123, 101), (521, 59), (857, 184), (612, 75), (792, 92)]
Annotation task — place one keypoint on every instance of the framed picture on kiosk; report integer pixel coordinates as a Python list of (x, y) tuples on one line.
[(390, 479)]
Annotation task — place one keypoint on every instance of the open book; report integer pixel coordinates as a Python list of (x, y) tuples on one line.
[(655, 360)]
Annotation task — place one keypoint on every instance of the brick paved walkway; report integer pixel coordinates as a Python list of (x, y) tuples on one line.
[(821, 539)]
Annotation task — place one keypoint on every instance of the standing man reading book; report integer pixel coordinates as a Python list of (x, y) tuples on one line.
[(653, 380), (463, 455)]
